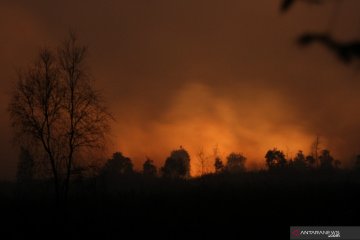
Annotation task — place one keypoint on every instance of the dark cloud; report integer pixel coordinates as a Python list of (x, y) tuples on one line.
[(198, 73)]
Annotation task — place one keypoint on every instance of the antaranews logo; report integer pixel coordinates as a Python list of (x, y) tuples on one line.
[(328, 233), (315, 232)]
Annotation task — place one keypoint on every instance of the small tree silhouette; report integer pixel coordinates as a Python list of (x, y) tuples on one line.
[(326, 160), (315, 148), (235, 162), (177, 165), (218, 164), (118, 165), (202, 162), (275, 159), (310, 161), (149, 169), (299, 161)]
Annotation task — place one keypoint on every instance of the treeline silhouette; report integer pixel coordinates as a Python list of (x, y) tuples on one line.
[(178, 165), (114, 199)]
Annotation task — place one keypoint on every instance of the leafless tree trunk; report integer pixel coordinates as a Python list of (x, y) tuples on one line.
[(202, 162), (315, 150)]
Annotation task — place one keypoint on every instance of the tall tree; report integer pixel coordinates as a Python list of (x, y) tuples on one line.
[(55, 105)]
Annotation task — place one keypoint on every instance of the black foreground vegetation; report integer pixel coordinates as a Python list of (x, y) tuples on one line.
[(116, 204)]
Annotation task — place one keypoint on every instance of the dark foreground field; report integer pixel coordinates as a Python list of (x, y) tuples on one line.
[(243, 206)]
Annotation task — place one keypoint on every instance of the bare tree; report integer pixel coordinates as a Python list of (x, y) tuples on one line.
[(55, 105), (86, 117), (35, 108), (202, 162), (315, 147)]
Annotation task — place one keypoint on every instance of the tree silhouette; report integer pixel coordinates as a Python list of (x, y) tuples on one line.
[(55, 106), (149, 169), (326, 160), (218, 164), (310, 161), (315, 148), (235, 162), (202, 162), (275, 159), (299, 161), (26, 167), (177, 165), (118, 165)]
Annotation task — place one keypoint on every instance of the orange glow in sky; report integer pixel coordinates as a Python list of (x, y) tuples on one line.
[(199, 120)]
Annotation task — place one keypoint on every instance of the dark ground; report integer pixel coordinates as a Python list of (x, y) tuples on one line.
[(259, 205)]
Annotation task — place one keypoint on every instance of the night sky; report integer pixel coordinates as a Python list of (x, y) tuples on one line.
[(198, 74)]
